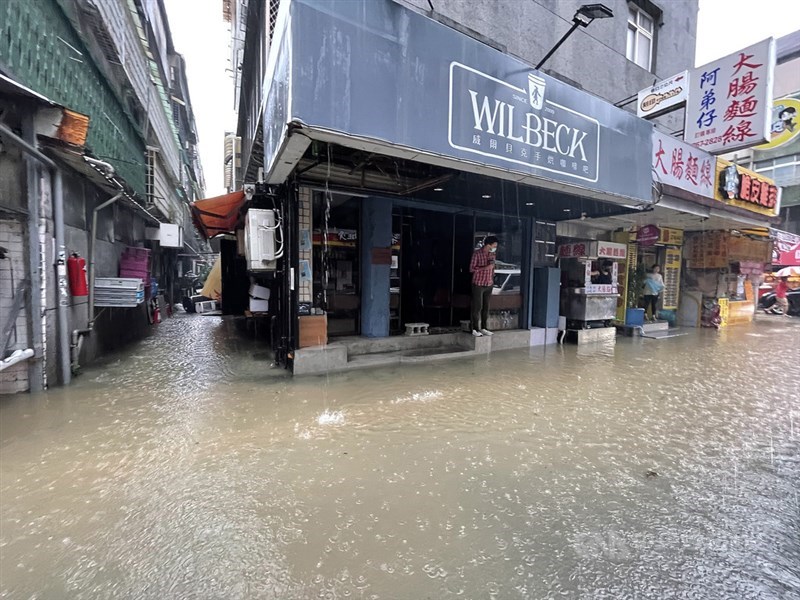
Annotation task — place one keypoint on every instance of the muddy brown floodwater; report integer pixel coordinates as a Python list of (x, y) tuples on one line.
[(188, 468)]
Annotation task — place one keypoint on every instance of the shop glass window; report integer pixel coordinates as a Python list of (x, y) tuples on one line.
[(763, 165), (639, 47), (784, 169), (336, 285), (507, 294), (509, 232)]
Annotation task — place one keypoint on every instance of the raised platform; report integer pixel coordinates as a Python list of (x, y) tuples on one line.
[(590, 336), (645, 329), (346, 354)]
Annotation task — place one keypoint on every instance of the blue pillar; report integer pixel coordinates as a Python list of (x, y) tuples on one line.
[(376, 234), (546, 296)]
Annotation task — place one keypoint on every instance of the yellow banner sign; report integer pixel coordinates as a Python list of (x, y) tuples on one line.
[(743, 188), (672, 278), (785, 123), (670, 237)]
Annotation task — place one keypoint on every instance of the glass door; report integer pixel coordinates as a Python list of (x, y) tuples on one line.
[(337, 285)]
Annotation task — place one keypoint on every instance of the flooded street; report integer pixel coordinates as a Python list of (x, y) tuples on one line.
[(188, 468)]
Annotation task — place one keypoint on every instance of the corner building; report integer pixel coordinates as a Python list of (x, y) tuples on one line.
[(392, 138)]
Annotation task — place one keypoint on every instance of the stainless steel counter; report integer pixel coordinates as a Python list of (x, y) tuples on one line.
[(588, 307)]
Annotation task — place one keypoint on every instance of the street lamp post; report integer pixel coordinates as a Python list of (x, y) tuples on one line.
[(583, 16)]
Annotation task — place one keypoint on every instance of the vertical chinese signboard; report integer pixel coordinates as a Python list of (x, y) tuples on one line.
[(730, 100), (672, 278)]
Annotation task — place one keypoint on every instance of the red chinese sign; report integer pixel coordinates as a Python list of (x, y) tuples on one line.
[(578, 250), (746, 189), (682, 166), (786, 249), (612, 250)]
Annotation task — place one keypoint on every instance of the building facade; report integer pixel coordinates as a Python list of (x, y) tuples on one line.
[(388, 138), (96, 109), (780, 160)]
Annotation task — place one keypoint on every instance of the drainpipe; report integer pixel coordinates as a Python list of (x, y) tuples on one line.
[(92, 245), (61, 279), (78, 334)]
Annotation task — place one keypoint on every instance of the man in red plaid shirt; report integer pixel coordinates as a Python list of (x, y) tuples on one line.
[(482, 268)]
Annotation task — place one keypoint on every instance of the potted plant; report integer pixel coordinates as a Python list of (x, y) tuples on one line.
[(634, 316)]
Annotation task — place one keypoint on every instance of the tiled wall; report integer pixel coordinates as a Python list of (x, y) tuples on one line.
[(305, 290), (12, 269)]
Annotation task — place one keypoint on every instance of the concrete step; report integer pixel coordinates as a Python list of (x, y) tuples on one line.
[(358, 346), (655, 326)]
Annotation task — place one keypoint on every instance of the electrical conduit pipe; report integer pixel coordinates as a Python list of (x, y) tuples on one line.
[(77, 335)]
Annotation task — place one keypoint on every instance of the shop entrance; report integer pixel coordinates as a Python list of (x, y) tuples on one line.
[(431, 279), (336, 261), (426, 258)]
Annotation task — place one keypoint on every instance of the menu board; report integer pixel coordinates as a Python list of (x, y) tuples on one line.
[(670, 237), (746, 249), (672, 278), (708, 250)]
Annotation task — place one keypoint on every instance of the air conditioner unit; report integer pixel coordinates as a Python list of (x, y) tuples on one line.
[(170, 235), (263, 239)]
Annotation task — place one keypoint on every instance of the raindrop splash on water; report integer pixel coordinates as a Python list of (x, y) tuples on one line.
[(331, 417)]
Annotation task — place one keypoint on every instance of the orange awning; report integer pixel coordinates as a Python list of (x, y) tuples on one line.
[(217, 215)]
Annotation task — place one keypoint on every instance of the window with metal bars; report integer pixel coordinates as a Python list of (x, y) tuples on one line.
[(273, 17)]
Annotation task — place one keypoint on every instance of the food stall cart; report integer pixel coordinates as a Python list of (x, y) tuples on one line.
[(585, 302)]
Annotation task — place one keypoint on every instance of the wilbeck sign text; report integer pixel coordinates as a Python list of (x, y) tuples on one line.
[(519, 126)]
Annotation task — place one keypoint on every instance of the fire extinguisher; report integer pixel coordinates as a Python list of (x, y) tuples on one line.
[(156, 312), (76, 272)]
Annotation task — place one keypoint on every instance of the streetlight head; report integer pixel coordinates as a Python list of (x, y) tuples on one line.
[(589, 12), (583, 16)]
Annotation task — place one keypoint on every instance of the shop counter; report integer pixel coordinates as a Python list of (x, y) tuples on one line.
[(579, 306)]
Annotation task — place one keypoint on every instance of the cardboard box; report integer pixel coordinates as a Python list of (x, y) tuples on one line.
[(313, 330), (260, 292), (258, 305)]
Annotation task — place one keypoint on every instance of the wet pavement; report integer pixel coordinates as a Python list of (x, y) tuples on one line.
[(189, 468)]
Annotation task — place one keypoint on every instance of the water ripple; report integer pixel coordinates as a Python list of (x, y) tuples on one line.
[(191, 468)]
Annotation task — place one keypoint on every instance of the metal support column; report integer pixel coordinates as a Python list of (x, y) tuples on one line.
[(62, 287), (36, 365)]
